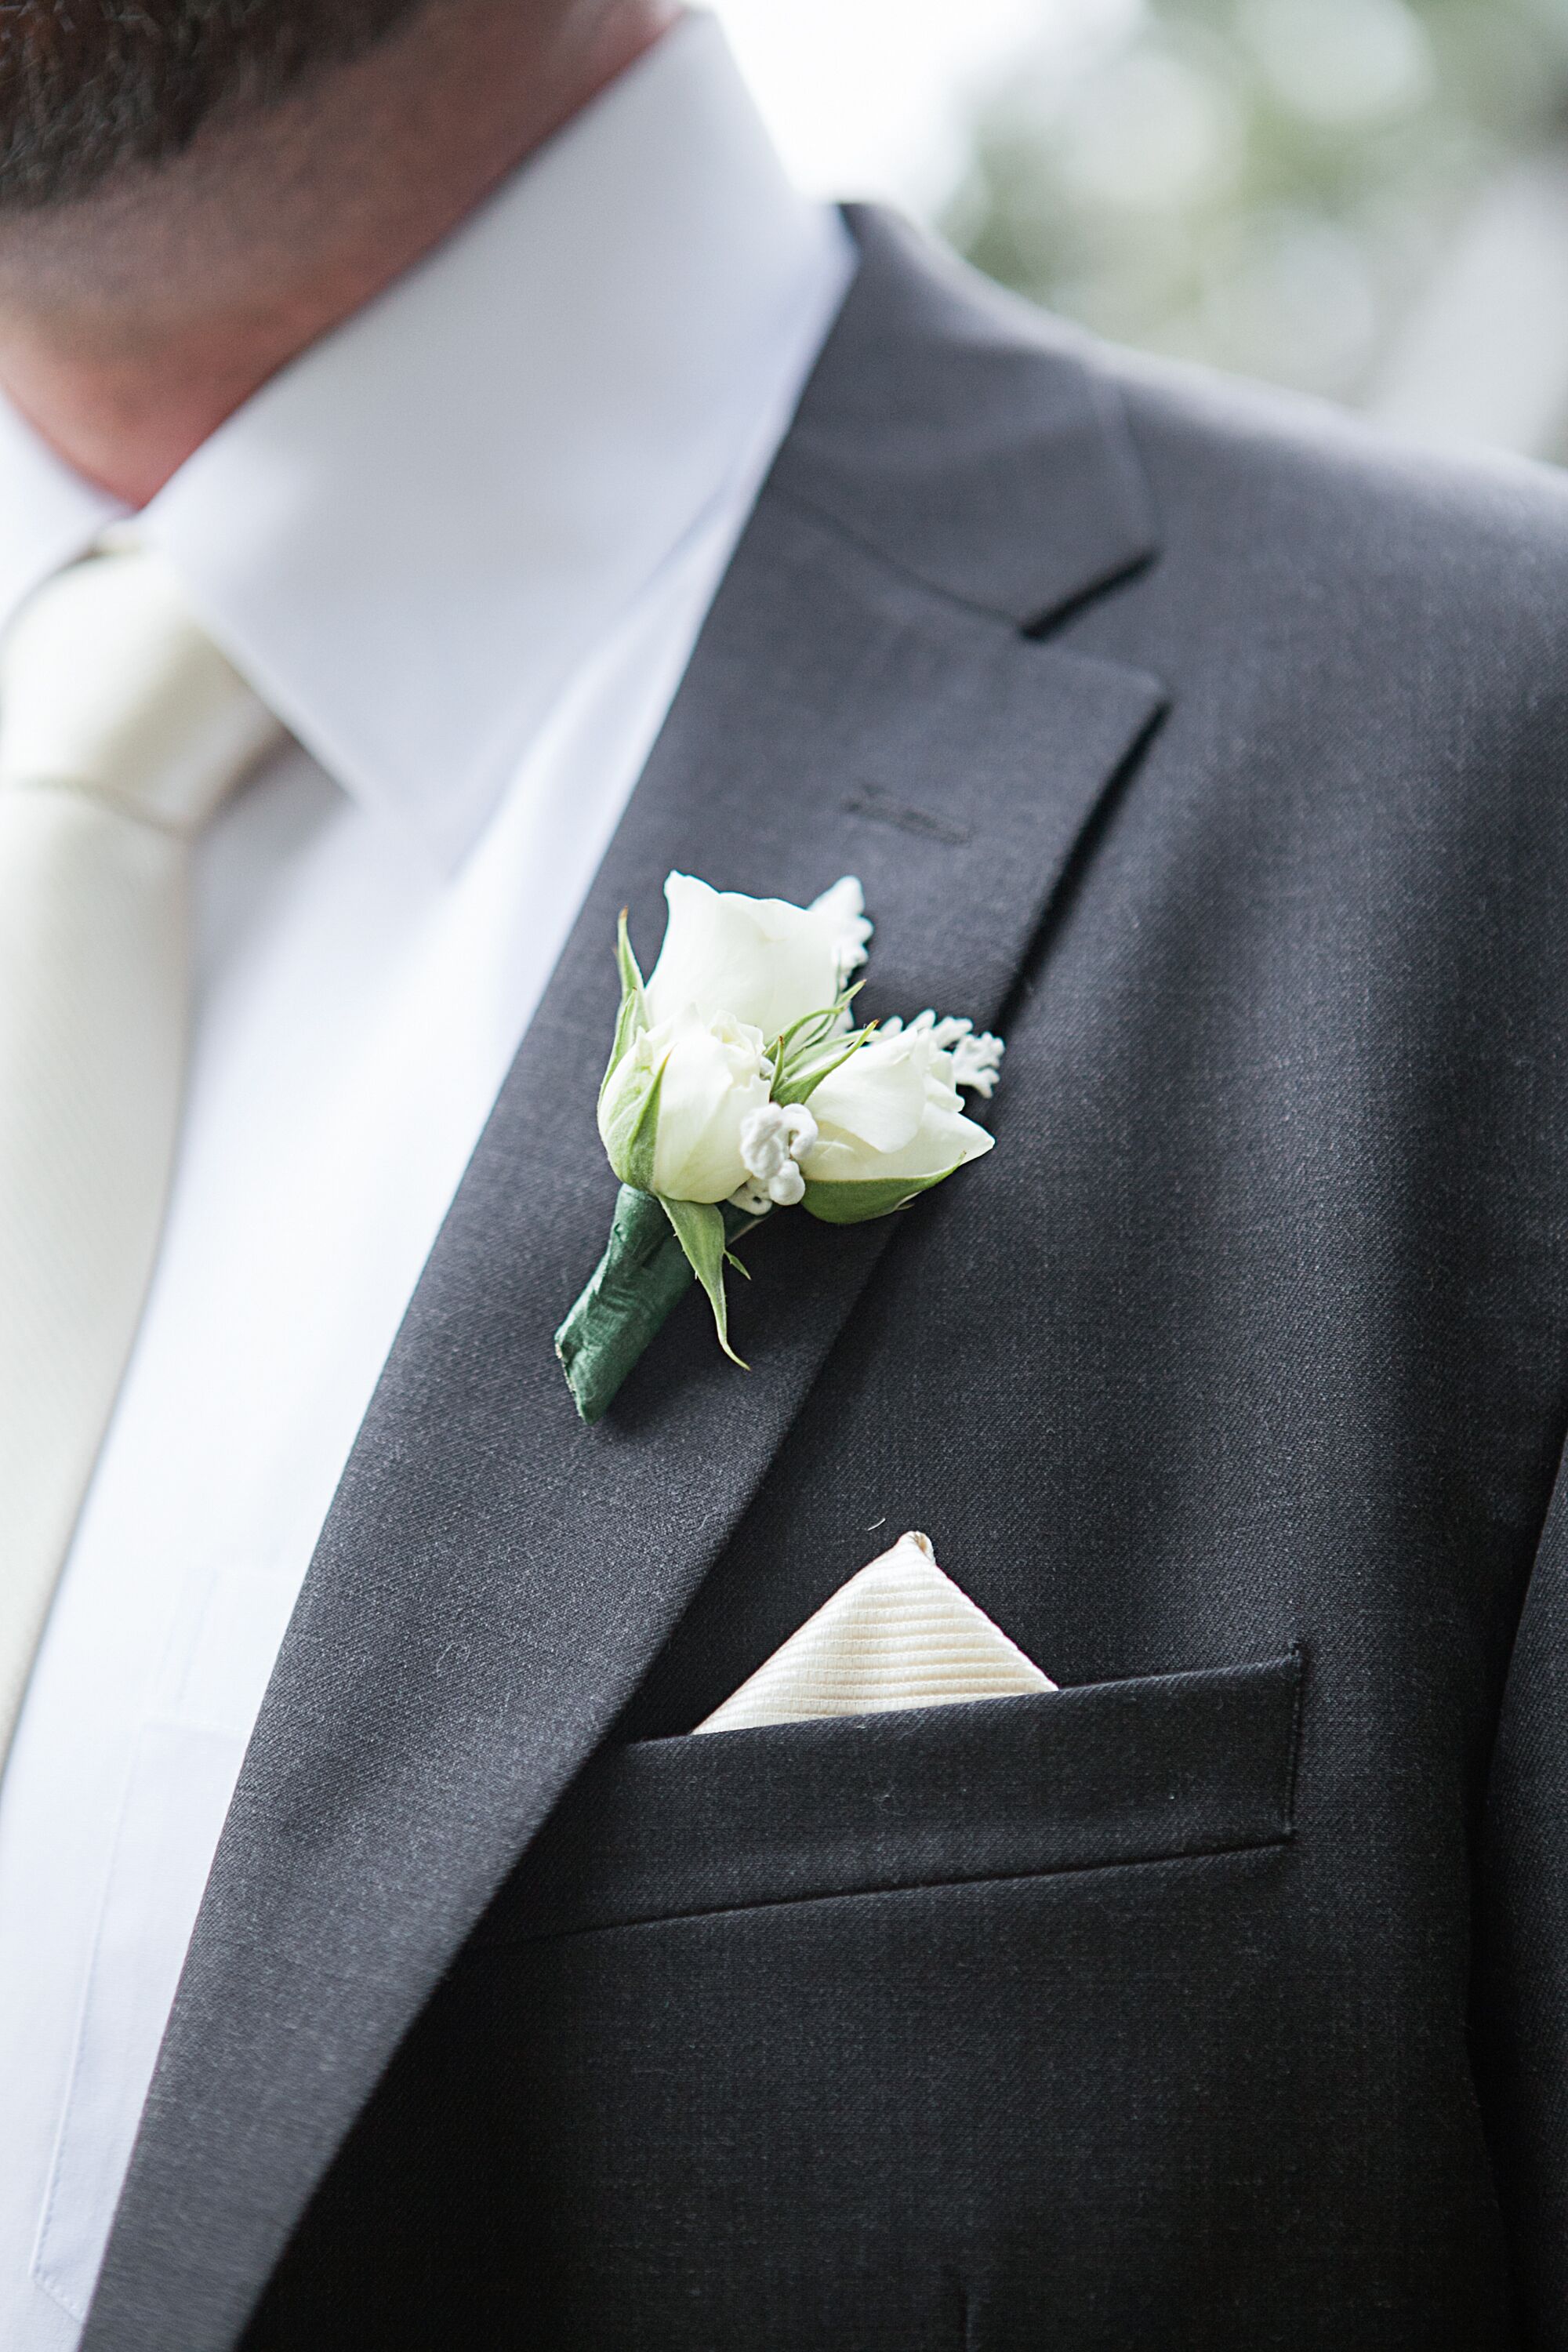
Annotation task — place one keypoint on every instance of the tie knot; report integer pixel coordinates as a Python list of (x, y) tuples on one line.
[(110, 685)]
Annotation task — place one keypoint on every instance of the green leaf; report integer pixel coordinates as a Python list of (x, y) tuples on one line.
[(810, 1035), (633, 1127), (632, 1018), (801, 1035), (801, 1082), (631, 977), (699, 1230), (644, 1136), (856, 1201)]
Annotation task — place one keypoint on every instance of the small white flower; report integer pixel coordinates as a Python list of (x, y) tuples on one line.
[(715, 1075), (773, 1143), (764, 962), (976, 1060)]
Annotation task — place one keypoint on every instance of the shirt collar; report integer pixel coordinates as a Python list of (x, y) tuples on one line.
[(48, 514), (410, 538)]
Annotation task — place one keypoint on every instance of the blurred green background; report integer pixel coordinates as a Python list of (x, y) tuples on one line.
[(1363, 198)]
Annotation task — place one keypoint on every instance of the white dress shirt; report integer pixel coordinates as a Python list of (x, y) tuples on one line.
[(464, 547)]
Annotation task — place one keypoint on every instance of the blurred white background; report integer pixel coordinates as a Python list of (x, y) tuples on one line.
[(1363, 198), (876, 98)]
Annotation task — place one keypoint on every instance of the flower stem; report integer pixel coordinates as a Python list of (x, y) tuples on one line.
[(643, 1274)]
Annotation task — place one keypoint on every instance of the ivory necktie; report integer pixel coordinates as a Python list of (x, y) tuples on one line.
[(122, 728)]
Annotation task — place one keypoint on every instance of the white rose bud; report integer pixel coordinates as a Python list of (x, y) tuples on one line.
[(892, 1112), (762, 961), (715, 1076)]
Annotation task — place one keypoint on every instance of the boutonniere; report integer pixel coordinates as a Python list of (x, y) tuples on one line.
[(739, 1084)]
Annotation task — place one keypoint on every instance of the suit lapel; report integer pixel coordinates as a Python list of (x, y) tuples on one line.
[(494, 1579)]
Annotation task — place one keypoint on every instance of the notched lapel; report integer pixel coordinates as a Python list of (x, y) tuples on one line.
[(494, 1579)]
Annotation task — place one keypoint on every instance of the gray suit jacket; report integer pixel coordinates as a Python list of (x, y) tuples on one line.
[(1217, 754)]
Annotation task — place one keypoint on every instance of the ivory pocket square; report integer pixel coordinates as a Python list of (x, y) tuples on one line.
[(900, 1633)]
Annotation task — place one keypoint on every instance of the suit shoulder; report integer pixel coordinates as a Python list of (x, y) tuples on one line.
[(1005, 458), (1270, 479)]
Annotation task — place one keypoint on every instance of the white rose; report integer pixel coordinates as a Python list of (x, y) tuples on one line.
[(764, 962), (715, 1076), (892, 1113)]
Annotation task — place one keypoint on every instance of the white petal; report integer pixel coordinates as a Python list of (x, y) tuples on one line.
[(877, 1097), (762, 960), (715, 1076)]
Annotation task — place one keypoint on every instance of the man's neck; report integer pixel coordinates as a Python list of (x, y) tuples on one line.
[(134, 322)]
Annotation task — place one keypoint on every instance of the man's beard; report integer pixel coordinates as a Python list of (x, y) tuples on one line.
[(88, 86)]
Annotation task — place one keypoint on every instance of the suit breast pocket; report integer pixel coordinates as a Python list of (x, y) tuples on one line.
[(957, 2027), (1145, 1770)]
